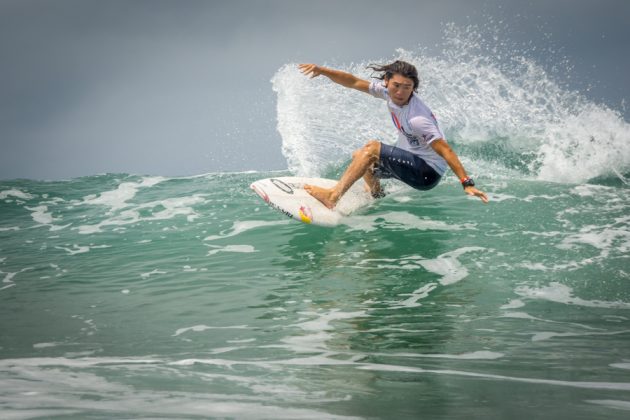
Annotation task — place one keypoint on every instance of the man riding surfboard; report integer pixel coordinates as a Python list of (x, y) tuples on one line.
[(421, 155)]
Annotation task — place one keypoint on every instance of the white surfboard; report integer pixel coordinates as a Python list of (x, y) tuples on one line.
[(288, 196)]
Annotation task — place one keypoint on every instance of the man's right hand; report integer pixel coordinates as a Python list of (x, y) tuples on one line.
[(312, 70), (341, 77)]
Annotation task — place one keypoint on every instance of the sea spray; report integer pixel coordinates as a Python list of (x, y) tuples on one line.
[(497, 106)]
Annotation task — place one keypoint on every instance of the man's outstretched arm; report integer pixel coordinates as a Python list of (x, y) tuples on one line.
[(444, 150), (340, 77)]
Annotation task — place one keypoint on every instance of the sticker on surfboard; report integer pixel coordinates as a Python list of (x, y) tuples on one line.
[(288, 196)]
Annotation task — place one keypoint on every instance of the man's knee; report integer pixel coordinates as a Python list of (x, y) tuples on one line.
[(371, 151)]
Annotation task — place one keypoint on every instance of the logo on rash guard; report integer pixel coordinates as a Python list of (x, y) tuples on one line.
[(397, 123), (412, 139)]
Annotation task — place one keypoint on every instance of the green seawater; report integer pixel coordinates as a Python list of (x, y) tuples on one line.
[(151, 297)]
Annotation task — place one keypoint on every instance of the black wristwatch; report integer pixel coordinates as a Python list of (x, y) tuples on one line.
[(468, 182)]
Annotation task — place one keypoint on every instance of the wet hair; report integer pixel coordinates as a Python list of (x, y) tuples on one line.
[(397, 67)]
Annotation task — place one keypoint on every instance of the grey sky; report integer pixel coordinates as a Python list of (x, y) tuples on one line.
[(183, 87)]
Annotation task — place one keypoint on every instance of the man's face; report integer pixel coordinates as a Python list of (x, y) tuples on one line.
[(400, 89)]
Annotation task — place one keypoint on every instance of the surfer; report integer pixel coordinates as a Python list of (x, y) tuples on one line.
[(421, 155)]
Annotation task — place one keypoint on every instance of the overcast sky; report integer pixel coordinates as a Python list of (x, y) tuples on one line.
[(183, 87)]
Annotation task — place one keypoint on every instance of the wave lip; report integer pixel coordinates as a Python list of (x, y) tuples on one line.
[(500, 108)]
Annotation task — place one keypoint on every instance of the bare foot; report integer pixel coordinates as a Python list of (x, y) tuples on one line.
[(377, 192), (322, 194)]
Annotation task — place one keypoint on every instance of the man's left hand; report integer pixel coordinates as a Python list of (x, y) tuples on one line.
[(475, 192)]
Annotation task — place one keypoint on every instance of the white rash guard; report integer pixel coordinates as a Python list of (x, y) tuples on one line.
[(417, 127)]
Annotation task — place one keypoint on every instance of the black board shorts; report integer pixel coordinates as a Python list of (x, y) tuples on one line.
[(404, 166)]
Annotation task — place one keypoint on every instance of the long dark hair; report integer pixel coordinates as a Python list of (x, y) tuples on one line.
[(397, 67)]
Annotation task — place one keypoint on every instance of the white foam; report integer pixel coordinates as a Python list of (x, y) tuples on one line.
[(81, 249), (62, 383), (475, 355), (85, 362), (560, 293), (179, 206), (403, 263), (546, 335), (9, 276), (616, 404), (615, 318), (317, 330), (60, 387), (402, 199), (89, 229), (549, 234), (590, 141), (40, 215), (117, 199), (243, 341), (77, 249), (152, 273), (14, 192), (533, 197), (619, 386), (170, 208), (513, 304), (447, 265), (243, 226), (520, 315), (416, 295), (323, 320), (231, 248), (45, 345), (400, 220), (498, 197), (6, 229), (201, 328), (604, 238)]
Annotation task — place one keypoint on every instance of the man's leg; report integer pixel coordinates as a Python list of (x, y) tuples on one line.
[(362, 162), (372, 183)]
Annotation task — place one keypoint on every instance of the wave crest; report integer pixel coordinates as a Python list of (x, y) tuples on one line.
[(501, 110)]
